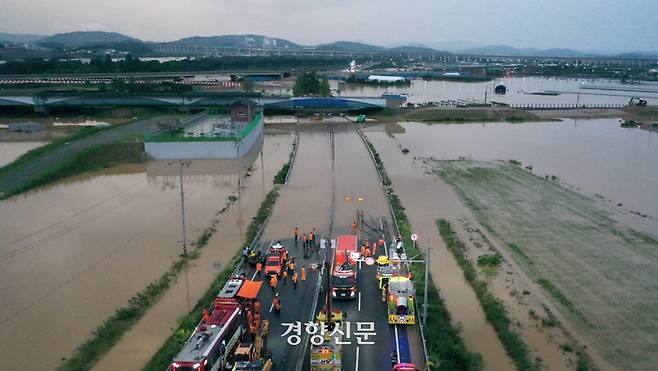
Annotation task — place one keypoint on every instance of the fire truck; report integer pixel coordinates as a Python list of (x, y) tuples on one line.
[(343, 277), (213, 341)]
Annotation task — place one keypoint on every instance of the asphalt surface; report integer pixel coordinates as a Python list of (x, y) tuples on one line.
[(29, 172), (353, 184)]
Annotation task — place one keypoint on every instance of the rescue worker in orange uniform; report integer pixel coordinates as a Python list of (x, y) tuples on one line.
[(295, 232), (276, 304), (256, 306), (205, 316), (259, 268), (367, 251), (381, 243), (284, 274), (353, 227), (374, 249), (274, 281), (303, 273), (304, 241), (294, 280)]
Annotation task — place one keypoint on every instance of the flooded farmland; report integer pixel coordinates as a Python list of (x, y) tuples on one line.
[(94, 241), (597, 157), (520, 90), (593, 157)]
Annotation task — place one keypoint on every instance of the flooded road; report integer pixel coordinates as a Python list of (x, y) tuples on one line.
[(519, 91), (93, 242), (596, 156), (9, 151), (306, 201)]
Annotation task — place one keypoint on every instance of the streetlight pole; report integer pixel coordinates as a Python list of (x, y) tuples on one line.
[(427, 275), (180, 164)]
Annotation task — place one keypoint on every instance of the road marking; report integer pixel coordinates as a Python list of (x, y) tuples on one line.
[(397, 344), (356, 368), (359, 307), (271, 307)]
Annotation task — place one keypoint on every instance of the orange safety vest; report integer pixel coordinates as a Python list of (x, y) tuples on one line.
[(303, 274), (374, 248), (294, 278), (304, 237), (274, 281), (259, 266), (381, 242), (205, 315), (367, 252)]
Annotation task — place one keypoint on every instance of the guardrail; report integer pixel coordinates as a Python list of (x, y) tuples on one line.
[(565, 106), (292, 160)]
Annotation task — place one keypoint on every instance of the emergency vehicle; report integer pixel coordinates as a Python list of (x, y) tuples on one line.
[(343, 277)]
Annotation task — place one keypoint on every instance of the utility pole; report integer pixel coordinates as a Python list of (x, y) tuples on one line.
[(427, 275), (180, 164)]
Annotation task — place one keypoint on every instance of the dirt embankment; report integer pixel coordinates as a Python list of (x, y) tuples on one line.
[(503, 114), (599, 273), (451, 114)]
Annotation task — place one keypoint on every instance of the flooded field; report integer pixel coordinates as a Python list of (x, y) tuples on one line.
[(520, 90), (98, 239), (599, 272), (9, 151), (597, 156)]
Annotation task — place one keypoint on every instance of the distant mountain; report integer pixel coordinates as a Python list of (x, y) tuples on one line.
[(19, 38), (80, 39), (525, 52), (350, 46), (416, 49), (239, 41)]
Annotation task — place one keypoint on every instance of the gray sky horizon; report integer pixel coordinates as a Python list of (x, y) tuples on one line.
[(601, 25)]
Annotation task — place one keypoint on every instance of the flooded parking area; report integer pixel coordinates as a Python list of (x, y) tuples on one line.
[(74, 252)]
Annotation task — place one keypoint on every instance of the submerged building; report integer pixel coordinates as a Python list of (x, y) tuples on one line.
[(208, 137)]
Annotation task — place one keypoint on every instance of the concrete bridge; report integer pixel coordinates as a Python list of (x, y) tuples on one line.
[(42, 102)]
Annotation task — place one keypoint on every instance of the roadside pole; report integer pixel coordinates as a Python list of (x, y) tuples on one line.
[(427, 274), (180, 164)]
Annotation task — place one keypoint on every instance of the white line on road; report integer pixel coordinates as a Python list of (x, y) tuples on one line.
[(356, 367), (397, 344), (271, 307), (359, 306)]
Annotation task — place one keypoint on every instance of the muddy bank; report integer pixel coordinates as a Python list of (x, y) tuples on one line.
[(424, 201), (598, 272)]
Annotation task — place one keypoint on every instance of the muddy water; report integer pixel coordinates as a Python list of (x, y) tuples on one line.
[(519, 91), (74, 252), (425, 201), (596, 156), (140, 343), (9, 151)]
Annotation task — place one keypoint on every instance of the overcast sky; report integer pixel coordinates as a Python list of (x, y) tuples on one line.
[(606, 25)]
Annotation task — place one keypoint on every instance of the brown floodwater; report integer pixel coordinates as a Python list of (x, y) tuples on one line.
[(74, 252), (9, 151)]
